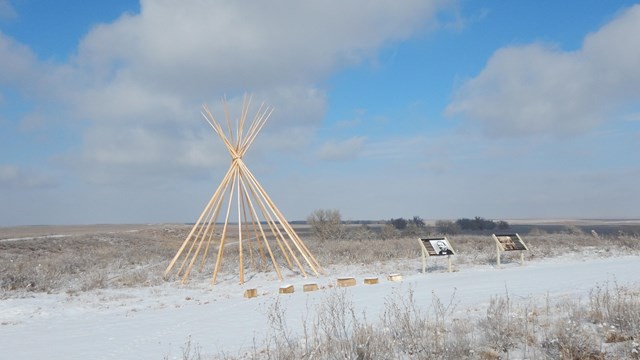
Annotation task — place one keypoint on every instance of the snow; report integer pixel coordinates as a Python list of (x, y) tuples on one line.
[(155, 322), (35, 237)]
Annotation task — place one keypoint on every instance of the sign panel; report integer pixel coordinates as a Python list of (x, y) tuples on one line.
[(438, 246), (510, 242)]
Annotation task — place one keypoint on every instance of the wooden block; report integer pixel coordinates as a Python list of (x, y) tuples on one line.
[(394, 277), (309, 287), (287, 289), (250, 293), (344, 282), (371, 280)]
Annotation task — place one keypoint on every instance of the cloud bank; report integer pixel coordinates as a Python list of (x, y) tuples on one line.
[(138, 83), (541, 89)]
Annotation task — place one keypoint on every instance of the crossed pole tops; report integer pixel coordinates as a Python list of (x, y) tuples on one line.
[(261, 229)]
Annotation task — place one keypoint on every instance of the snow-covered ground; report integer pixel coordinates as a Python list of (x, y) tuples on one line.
[(154, 322)]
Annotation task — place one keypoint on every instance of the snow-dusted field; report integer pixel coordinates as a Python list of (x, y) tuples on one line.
[(155, 322)]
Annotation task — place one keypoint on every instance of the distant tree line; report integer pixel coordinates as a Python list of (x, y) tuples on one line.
[(479, 223), (327, 224), (465, 224), (447, 226), (401, 223)]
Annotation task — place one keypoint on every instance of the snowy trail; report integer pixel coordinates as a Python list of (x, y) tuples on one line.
[(151, 323)]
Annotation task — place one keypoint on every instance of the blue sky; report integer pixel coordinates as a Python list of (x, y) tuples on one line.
[(441, 109)]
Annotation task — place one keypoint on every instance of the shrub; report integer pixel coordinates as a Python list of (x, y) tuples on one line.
[(399, 223), (476, 223), (326, 224), (447, 227)]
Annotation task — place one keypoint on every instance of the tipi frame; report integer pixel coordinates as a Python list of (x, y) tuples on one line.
[(259, 220)]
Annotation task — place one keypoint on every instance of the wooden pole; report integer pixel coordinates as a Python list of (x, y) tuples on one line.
[(218, 130), (255, 125), (245, 222), (201, 235), (186, 241), (266, 215), (264, 238), (240, 233), (423, 255), (228, 118), (213, 229), (261, 122), (195, 255), (275, 230), (280, 217), (246, 103), (219, 196), (240, 182), (255, 229), (224, 229)]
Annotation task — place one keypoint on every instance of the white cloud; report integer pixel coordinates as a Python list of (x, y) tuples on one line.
[(136, 86), (15, 177), (541, 89), (20, 69), (342, 150), (198, 47), (140, 80), (18, 62)]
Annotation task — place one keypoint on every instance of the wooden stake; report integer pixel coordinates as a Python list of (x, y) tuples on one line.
[(346, 282), (310, 287)]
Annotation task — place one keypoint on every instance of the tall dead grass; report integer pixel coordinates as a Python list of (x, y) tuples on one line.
[(131, 258), (527, 329), (86, 262), (605, 326)]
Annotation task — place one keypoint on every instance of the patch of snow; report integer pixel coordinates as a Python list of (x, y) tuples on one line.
[(36, 237), (153, 322)]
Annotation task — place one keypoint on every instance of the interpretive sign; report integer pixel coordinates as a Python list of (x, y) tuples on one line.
[(509, 242), (439, 246)]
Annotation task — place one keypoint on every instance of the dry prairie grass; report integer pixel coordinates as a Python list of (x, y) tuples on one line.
[(128, 257), (607, 326), (507, 330), (83, 262)]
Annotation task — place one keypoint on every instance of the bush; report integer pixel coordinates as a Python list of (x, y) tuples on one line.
[(447, 227), (326, 224), (410, 227), (399, 223), (476, 223), (411, 330)]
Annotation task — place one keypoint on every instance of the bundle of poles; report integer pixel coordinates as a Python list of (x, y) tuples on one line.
[(259, 221)]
